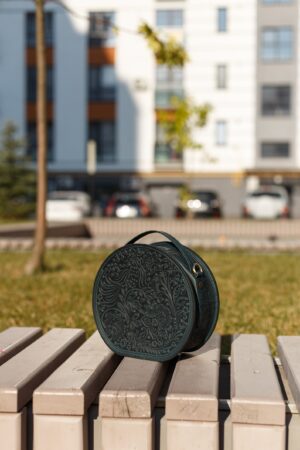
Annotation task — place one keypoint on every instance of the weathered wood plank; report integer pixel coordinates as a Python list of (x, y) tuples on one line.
[(193, 392), (71, 389), (15, 339), (133, 389), (22, 374), (256, 397), (289, 353)]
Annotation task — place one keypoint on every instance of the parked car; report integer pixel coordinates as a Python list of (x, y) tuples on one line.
[(268, 202), (67, 206), (200, 204), (128, 205)]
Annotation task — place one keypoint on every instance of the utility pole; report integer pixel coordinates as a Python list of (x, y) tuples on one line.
[(36, 262)]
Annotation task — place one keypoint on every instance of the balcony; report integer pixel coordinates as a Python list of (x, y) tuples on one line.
[(166, 159), (163, 97)]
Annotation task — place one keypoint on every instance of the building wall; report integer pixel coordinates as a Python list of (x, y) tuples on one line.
[(277, 128), (12, 83), (133, 110), (135, 69), (135, 99), (70, 98), (235, 48)]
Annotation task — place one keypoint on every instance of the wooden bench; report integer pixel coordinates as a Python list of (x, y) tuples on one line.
[(84, 397)]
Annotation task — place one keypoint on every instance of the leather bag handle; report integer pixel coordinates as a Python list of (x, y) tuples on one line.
[(174, 241)]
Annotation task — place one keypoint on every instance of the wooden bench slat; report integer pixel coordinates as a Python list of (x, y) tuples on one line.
[(193, 392), (15, 339), (22, 374), (256, 397), (133, 389), (73, 386), (289, 353)]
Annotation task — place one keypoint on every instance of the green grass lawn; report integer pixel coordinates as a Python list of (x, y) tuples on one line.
[(260, 293)]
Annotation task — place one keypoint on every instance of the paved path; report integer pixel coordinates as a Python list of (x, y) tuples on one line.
[(198, 229), (219, 234)]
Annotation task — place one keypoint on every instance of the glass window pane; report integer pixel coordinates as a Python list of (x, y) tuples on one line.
[(276, 100), (169, 18), (103, 133), (221, 76), (222, 19), (163, 97), (108, 76), (275, 150), (32, 80), (177, 18), (49, 28), (277, 43), (31, 140), (221, 132), (30, 29), (160, 18), (101, 33), (102, 83), (269, 36), (285, 34), (169, 77), (275, 2)]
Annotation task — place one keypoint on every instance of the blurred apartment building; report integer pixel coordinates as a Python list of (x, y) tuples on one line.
[(107, 88)]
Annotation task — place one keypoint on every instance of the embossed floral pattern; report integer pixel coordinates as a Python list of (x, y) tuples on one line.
[(142, 301)]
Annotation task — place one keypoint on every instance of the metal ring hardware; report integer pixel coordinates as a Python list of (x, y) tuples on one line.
[(197, 269)]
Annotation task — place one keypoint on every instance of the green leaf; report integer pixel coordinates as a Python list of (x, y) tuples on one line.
[(180, 122), (168, 52)]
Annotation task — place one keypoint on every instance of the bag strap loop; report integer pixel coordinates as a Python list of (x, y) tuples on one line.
[(174, 241)]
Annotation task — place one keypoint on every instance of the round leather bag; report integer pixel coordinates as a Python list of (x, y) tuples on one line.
[(152, 301)]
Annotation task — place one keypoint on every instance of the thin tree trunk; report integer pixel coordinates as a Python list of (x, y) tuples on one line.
[(36, 262)]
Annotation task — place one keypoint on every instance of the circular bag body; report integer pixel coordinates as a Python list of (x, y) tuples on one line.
[(148, 304)]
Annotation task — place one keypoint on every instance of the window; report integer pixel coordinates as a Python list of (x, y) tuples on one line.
[(31, 83), (163, 98), (275, 150), (169, 76), (277, 43), (169, 82), (276, 2), (32, 141), (222, 20), (101, 33), (30, 29), (102, 83), (276, 100), (169, 18), (221, 76), (221, 132), (163, 151), (103, 133)]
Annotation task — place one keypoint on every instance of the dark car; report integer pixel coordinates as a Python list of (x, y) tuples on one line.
[(128, 205), (200, 204)]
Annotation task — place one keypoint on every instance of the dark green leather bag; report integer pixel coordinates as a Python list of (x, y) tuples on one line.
[(154, 301)]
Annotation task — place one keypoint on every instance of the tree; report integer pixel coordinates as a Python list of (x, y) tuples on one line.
[(36, 262), (168, 51), (184, 117), (17, 180), (180, 122)]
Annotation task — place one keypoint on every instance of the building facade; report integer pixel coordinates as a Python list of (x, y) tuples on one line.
[(105, 87)]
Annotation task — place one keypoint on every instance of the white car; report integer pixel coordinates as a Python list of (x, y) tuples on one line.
[(67, 206), (270, 202)]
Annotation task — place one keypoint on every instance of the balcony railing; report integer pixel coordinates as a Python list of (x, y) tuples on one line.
[(163, 97), (166, 157)]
